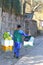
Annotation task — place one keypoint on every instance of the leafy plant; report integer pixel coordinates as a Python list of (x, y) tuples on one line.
[(17, 7)]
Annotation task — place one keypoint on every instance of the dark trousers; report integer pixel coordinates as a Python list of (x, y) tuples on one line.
[(17, 46)]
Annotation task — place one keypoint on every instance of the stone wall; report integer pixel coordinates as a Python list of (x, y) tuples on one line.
[(9, 23), (31, 25)]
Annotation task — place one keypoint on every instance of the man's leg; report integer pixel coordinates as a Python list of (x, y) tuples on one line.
[(15, 49), (17, 53)]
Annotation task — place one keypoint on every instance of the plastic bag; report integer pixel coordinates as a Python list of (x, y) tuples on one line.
[(30, 42)]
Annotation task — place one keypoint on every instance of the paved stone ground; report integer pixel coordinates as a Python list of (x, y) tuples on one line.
[(35, 56), (29, 56)]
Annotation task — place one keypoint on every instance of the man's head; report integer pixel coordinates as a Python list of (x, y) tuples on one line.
[(18, 26)]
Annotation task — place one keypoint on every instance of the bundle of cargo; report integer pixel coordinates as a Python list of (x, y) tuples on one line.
[(7, 43), (28, 41)]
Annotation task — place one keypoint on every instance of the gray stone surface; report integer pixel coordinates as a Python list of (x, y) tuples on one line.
[(29, 56), (35, 56), (9, 23)]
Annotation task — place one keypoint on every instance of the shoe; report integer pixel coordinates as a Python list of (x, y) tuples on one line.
[(17, 57)]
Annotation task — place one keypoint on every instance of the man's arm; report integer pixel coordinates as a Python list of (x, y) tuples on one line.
[(22, 32)]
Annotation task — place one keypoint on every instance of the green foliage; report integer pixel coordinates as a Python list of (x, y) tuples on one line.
[(5, 5), (6, 36), (0, 3), (9, 5), (17, 7)]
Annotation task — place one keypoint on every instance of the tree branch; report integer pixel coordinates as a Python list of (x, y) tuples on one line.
[(36, 6)]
